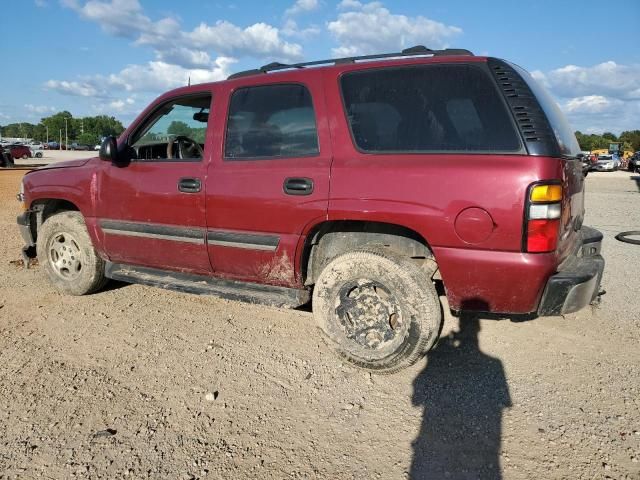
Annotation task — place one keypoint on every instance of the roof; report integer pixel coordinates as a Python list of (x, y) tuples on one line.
[(417, 51)]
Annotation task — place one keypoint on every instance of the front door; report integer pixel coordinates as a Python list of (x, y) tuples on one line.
[(269, 181), (152, 208)]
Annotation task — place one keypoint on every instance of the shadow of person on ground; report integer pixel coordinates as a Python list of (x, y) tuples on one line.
[(463, 392)]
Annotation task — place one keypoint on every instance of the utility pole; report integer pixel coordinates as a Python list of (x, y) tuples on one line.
[(66, 135), (60, 144), (47, 127), (82, 125)]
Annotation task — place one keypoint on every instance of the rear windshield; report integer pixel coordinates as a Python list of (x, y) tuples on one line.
[(427, 108), (561, 128)]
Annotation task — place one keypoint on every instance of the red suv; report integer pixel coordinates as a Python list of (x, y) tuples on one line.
[(19, 151), (364, 183)]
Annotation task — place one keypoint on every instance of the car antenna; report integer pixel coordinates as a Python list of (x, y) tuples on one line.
[(189, 81)]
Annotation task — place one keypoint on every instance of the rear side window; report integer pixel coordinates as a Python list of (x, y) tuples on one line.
[(563, 132), (271, 121), (430, 108)]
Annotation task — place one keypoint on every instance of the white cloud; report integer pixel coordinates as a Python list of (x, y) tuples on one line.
[(257, 40), (81, 89), (120, 104), (126, 18), (608, 78), (598, 98), (349, 5), (39, 108), (41, 3), (302, 6), (371, 28), (155, 77), (291, 29), (118, 17), (591, 104)]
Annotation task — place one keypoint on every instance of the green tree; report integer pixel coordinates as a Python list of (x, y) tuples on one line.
[(56, 124), (632, 137), (179, 128), (88, 138), (610, 136)]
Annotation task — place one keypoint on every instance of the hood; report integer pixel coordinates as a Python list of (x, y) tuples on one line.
[(66, 164)]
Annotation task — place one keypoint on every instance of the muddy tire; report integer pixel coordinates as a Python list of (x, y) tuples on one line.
[(67, 255), (378, 310)]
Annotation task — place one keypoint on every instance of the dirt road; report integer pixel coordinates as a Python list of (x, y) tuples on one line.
[(138, 382)]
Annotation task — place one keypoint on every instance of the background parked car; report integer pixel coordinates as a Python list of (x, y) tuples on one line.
[(19, 151), (606, 163), (79, 146), (634, 163)]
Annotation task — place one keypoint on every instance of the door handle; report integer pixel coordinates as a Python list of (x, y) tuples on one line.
[(189, 185), (298, 186)]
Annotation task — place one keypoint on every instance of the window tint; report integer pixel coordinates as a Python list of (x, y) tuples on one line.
[(564, 133), (271, 121), (177, 129), (427, 108)]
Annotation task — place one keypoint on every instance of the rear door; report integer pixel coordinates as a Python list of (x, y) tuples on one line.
[(269, 181)]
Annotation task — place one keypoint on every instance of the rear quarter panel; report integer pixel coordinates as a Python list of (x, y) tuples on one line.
[(426, 192)]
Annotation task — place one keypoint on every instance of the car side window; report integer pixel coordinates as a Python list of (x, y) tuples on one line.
[(434, 108), (271, 121), (176, 131)]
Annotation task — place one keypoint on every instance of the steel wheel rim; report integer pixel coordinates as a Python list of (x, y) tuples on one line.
[(65, 256), (370, 319)]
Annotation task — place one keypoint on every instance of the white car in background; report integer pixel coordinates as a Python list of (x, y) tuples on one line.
[(37, 149), (606, 163)]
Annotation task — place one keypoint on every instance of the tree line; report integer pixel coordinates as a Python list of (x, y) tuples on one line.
[(83, 130), (630, 140)]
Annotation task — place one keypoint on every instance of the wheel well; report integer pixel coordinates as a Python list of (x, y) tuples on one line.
[(330, 239), (44, 208)]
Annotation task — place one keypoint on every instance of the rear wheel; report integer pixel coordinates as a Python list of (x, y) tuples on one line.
[(67, 255), (379, 311), (24, 156)]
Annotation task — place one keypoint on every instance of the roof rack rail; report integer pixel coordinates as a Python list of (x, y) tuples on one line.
[(407, 52)]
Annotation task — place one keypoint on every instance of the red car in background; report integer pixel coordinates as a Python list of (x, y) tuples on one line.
[(19, 151)]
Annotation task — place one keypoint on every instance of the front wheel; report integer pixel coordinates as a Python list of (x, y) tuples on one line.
[(67, 254), (380, 311)]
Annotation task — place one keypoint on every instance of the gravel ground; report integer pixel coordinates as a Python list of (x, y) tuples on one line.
[(138, 382)]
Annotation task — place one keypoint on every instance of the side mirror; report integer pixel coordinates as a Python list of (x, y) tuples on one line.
[(109, 150)]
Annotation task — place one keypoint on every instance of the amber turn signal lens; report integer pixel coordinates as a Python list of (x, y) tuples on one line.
[(546, 193)]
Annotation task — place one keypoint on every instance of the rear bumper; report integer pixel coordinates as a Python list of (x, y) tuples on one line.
[(577, 284)]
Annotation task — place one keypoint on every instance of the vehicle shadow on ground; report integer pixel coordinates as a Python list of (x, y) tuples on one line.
[(463, 393), (636, 179)]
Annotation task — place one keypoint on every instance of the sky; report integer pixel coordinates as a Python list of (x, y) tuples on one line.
[(113, 57)]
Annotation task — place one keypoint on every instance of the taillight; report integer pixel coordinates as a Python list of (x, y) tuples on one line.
[(543, 213)]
